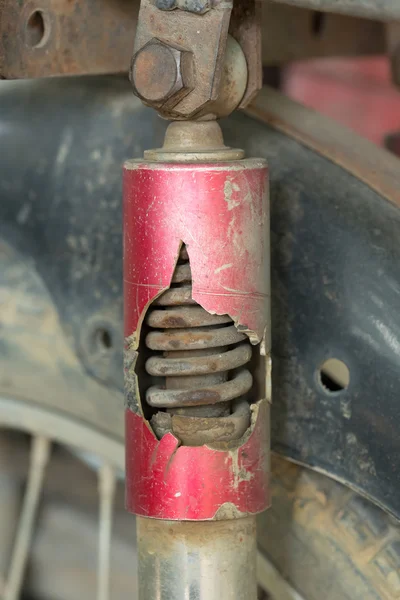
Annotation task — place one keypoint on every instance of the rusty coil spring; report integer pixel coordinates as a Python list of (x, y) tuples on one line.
[(202, 355)]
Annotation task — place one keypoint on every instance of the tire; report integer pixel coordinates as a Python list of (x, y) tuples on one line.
[(327, 541)]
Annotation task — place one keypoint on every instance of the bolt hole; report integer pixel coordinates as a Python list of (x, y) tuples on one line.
[(103, 339), (318, 21), (334, 376), (36, 30)]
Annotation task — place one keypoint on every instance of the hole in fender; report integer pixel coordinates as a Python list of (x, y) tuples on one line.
[(103, 339), (37, 29), (334, 376)]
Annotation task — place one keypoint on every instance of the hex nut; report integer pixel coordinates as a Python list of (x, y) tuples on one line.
[(166, 4), (198, 7), (194, 6), (156, 72)]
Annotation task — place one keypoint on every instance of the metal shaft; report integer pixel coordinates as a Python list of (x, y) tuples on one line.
[(203, 560)]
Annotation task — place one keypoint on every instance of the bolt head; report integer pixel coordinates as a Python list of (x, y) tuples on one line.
[(166, 4), (156, 72), (194, 6)]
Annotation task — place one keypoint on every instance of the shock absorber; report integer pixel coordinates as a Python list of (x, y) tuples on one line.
[(197, 324)]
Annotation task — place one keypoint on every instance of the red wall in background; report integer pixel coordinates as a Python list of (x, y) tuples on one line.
[(355, 92)]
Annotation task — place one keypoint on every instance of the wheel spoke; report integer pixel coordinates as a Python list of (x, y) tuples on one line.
[(272, 581), (39, 456), (107, 481)]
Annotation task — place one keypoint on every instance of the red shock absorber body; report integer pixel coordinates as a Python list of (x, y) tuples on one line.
[(196, 246)]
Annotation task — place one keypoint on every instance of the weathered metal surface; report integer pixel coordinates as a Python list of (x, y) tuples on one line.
[(214, 394), (157, 73), (65, 37), (196, 69), (205, 430), (234, 80), (198, 204), (221, 564), (168, 481), (193, 141), (162, 366), (204, 37), (385, 10), (71, 37), (245, 28)]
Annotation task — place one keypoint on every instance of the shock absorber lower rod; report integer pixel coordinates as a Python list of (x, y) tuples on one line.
[(197, 560), (197, 369)]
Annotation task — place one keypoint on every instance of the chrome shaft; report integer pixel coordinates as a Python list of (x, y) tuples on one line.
[(202, 560)]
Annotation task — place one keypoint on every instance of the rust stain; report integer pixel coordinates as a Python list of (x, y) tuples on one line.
[(199, 397), (173, 322), (239, 472), (74, 42)]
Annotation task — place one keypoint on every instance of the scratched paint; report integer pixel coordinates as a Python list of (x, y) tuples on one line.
[(165, 205)]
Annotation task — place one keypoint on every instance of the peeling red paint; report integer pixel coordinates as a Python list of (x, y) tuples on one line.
[(220, 211), (193, 483)]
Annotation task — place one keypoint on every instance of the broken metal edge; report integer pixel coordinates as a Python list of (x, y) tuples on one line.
[(167, 481), (133, 400)]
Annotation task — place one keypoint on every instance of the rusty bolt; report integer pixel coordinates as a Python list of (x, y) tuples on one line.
[(157, 72), (194, 6), (166, 4)]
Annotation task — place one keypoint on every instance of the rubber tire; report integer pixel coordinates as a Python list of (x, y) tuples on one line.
[(328, 541)]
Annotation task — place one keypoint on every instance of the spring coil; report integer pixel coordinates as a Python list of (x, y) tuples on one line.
[(200, 357)]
